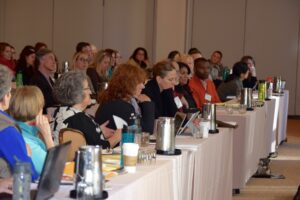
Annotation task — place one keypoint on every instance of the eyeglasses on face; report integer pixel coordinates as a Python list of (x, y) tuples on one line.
[(83, 59)]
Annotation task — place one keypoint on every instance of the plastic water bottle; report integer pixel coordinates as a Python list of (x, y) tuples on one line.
[(22, 180), (19, 79)]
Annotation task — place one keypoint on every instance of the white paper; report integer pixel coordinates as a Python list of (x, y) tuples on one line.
[(119, 122)]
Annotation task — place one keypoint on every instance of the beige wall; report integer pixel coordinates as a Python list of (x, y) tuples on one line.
[(26, 22), (128, 26), (80, 23), (2, 19), (268, 30), (272, 35), (169, 33), (219, 25)]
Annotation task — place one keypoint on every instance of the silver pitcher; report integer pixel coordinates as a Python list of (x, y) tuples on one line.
[(89, 179), (209, 114), (165, 138), (246, 98)]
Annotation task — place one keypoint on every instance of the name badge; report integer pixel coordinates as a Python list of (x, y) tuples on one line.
[(178, 102), (207, 97)]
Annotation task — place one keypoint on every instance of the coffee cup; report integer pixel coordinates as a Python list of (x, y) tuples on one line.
[(130, 153)]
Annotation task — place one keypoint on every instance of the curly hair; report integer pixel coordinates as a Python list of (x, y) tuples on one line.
[(123, 83), (5, 80), (68, 89)]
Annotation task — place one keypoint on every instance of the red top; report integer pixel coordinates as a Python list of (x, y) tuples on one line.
[(199, 91), (8, 63)]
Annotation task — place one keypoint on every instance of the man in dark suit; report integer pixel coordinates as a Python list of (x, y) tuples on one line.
[(43, 78)]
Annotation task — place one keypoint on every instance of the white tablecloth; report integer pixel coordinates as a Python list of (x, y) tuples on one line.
[(271, 127), (249, 143), (282, 115), (202, 171), (211, 161)]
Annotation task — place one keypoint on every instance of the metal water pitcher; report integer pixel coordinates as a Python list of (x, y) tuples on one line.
[(89, 179), (209, 114), (165, 138), (246, 98)]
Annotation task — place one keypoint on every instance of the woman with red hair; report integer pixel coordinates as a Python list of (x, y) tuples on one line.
[(123, 98)]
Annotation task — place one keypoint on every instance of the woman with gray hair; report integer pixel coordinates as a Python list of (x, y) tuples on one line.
[(73, 92)]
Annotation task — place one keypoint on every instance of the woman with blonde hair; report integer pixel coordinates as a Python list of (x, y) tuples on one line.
[(80, 63), (98, 71), (187, 59), (123, 98), (26, 106)]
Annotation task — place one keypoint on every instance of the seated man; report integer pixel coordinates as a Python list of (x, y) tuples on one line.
[(12, 144), (202, 88), (43, 78)]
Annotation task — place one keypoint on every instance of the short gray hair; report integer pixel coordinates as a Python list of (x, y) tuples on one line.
[(5, 80), (68, 89)]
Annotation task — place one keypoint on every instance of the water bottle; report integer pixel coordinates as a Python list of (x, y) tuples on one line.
[(22, 179), (127, 137), (19, 79), (65, 66), (262, 90)]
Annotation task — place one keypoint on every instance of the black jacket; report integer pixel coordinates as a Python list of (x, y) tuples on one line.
[(164, 101), (40, 81)]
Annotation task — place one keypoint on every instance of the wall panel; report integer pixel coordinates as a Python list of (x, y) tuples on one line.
[(27, 22), (272, 38), (76, 21), (128, 25), (219, 25)]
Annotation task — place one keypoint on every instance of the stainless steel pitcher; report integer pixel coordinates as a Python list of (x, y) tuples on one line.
[(165, 138), (89, 180), (246, 98), (209, 114)]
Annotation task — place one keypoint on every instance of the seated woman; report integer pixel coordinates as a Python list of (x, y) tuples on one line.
[(26, 106), (160, 90), (98, 71), (122, 97), (139, 58), (183, 87), (73, 92), (80, 64), (12, 144), (251, 80), (234, 84), (25, 63)]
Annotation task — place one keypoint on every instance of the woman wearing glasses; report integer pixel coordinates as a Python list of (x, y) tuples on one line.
[(80, 64), (73, 92)]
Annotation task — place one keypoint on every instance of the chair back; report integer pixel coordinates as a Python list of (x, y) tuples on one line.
[(77, 138)]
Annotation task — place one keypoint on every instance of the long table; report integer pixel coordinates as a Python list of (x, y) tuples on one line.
[(259, 132), (202, 171), (249, 142)]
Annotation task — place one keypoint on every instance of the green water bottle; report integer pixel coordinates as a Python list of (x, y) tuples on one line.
[(262, 90), (19, 79), (225, 73)]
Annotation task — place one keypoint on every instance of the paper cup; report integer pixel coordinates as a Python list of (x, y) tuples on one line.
[(204, 127), (130, 153)]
